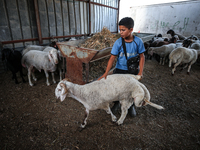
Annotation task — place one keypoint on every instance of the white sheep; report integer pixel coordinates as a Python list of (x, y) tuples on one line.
[(195, 46), (41, 60), (162, 51), (60, 65), (33, 47), (183, 55), (98, 94)]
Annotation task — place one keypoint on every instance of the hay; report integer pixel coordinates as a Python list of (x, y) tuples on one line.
[(101, 40)]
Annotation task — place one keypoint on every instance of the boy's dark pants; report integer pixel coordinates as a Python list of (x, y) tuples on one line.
[(131, 110)]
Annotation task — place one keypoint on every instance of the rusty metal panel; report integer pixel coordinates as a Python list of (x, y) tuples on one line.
[(76, 56), (82, 54)]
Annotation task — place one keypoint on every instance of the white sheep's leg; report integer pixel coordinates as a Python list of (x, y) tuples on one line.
[(160, 60), (124, 110), (175, 65), (33, 75), (29, 77), (189, 67), (86, 117), (108, 111), (47, 76), (53, 78), (163, 63)]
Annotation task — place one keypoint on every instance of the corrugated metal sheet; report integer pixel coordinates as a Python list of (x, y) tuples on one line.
[(57, 18)]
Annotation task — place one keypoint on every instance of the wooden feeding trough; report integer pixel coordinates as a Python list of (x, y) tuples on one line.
[(76, 56)]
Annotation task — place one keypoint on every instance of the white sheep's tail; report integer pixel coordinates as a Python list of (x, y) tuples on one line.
[(147, 98), (153, 104), (137, 77)]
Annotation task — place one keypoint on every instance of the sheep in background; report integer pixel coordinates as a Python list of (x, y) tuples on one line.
[(193, 37), (172, 33), (162, 51), (166, 42), (183, 55), (41, 60), (60, 66), (99, 94), (195, 46), (13, 62), (188, 43), (33, 47)]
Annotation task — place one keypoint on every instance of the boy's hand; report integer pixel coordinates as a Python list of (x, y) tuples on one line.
[(141, 76), (103, 76)]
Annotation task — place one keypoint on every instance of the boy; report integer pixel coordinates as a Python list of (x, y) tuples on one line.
[(134, 47)]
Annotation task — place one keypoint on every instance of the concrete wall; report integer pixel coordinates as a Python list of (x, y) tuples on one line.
[(182, 17)]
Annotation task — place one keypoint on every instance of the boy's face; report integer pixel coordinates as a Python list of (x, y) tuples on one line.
[(125, 32)]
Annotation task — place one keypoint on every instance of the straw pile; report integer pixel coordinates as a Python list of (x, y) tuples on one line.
[(101, 40)]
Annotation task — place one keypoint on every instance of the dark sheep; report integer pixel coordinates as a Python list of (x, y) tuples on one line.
[(172, 33), (13, 62), (187, 43)]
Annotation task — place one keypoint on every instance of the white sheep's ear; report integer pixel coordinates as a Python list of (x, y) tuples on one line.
[(63, 92), (50, 57), (62, 95)]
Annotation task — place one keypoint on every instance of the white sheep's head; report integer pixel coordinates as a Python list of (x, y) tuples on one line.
[(61, 91), (53, 55), (150, 51)]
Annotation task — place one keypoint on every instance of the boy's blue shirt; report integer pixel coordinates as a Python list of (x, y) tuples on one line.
[(131, 48)]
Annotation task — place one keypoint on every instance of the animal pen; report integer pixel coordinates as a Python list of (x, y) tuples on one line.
[(29, 22)]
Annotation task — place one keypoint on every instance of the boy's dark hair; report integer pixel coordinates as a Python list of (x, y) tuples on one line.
[(127, 22)]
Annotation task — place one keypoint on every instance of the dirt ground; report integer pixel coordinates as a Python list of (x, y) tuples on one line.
[(32, 118)]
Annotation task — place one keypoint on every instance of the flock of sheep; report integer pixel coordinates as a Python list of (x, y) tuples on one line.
[(178, 50)]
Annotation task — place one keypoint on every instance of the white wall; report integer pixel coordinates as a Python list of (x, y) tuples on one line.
[(182, 17)]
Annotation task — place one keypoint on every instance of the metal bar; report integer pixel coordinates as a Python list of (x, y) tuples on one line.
[(45, 38), (89, 17), (47, 16), (29, 14), (118, 16), (38, 22), (103, 5), (6, 11), (97, 4), (20, 20), (18, 41)]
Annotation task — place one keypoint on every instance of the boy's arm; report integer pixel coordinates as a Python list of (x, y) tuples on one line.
[(109, 66), (141, 63)]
